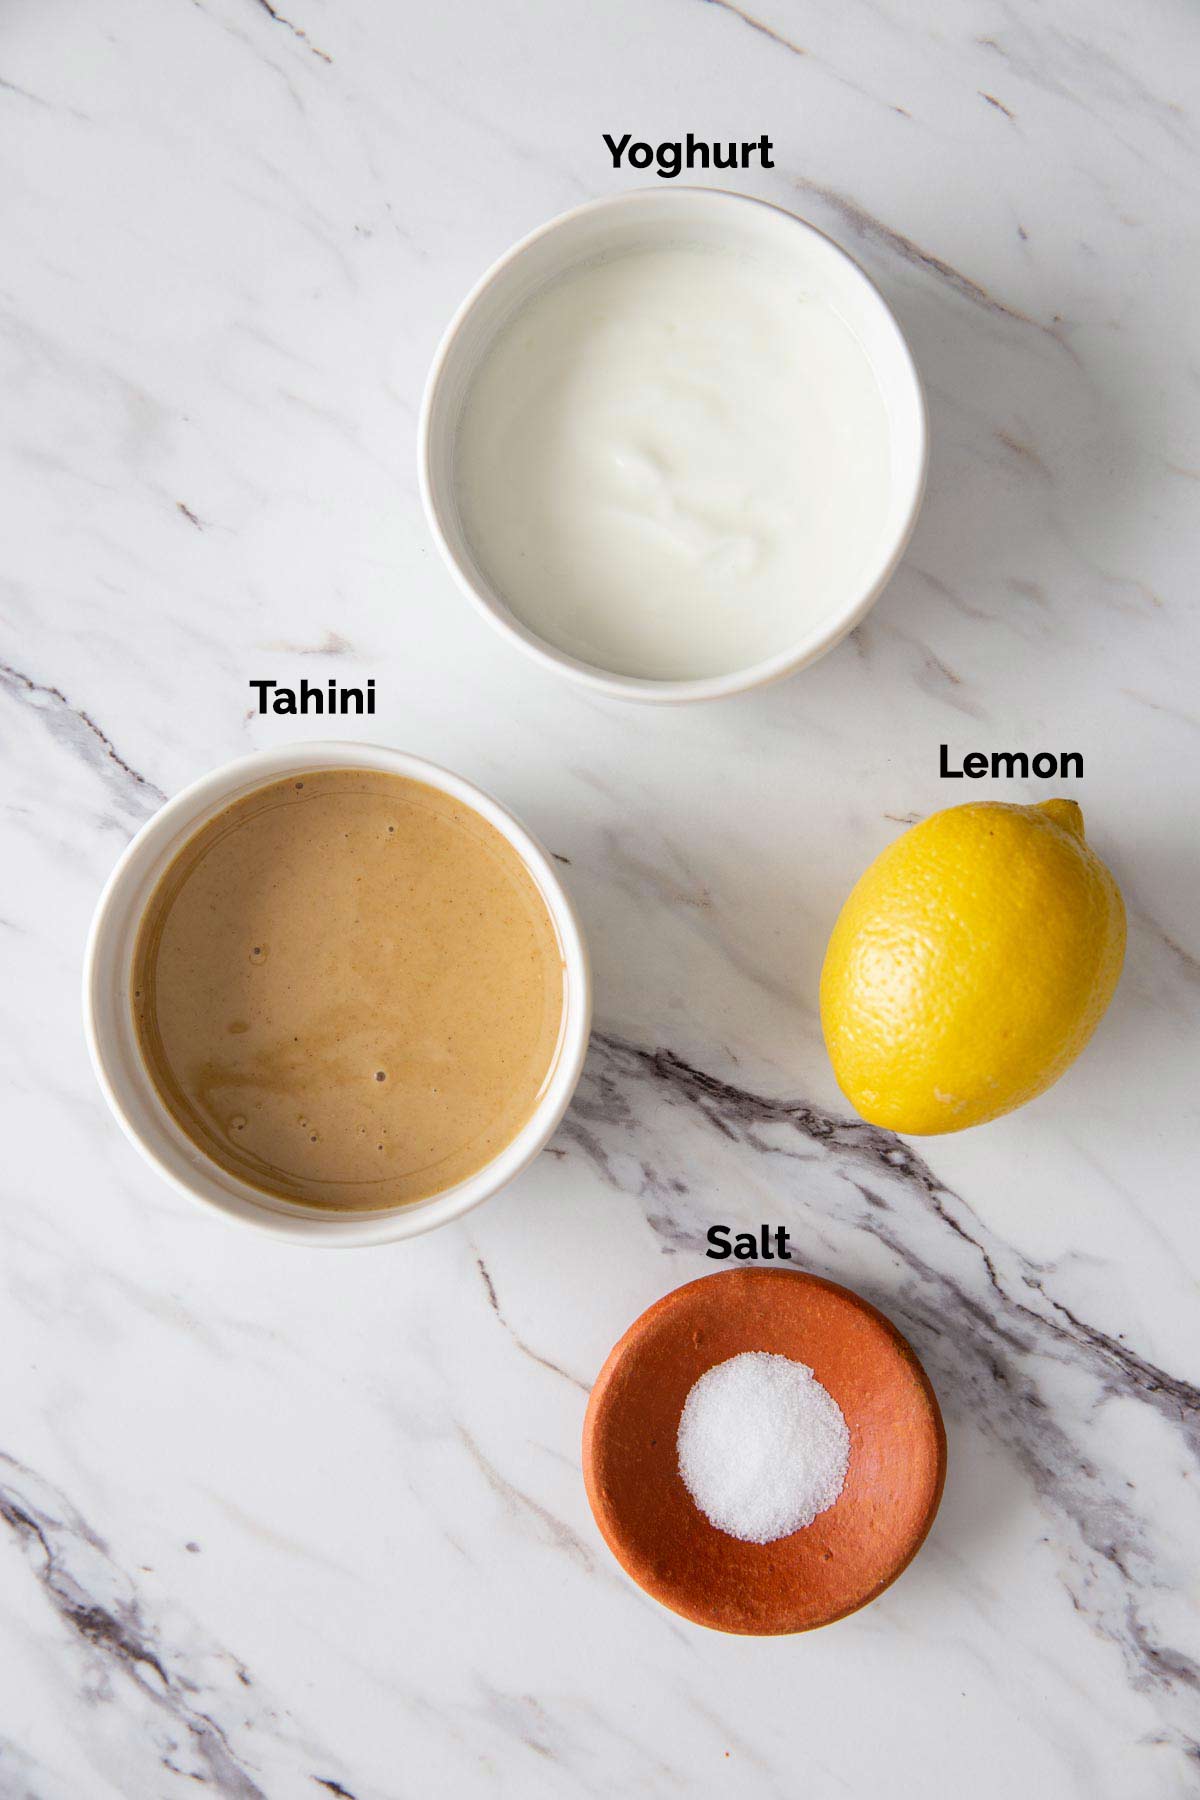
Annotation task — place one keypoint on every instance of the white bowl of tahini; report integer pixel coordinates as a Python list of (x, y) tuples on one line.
[(673, 444), (226, 1183)]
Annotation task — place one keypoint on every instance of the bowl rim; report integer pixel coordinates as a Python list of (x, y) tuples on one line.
[(130, 886), (672, 691)]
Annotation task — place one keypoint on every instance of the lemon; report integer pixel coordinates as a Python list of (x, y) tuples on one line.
[(970, 965)]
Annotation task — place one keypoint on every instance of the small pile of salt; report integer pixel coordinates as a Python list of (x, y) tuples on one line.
[(763, 1447)]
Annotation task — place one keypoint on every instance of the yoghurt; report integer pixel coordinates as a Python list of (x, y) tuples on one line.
[(674, 463)]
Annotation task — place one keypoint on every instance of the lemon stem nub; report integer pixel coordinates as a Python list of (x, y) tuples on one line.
[(1065, 813)]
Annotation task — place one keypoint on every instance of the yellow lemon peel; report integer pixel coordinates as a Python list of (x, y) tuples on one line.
[(970, 965)]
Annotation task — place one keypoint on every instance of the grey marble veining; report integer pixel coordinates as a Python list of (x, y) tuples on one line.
[(984, 1319)]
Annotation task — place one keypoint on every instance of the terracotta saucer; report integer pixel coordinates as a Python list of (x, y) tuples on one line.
[(847, 1555)]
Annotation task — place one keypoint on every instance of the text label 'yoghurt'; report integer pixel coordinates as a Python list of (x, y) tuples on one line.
[(693, 153)]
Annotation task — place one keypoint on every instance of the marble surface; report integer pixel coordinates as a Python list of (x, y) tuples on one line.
[(294, 1523)]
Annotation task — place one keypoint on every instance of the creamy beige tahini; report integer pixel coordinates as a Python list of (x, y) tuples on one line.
[(348, 990)]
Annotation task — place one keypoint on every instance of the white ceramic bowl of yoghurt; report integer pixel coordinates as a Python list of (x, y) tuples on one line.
[(673, 444), (129, 1089)]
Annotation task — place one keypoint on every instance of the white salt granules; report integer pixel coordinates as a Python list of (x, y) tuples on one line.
[(763, 1447)]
